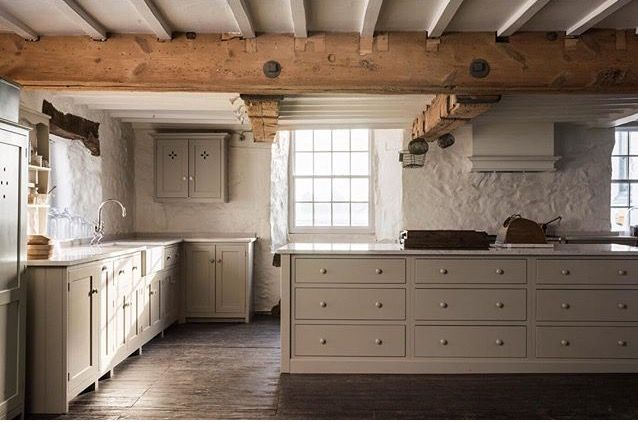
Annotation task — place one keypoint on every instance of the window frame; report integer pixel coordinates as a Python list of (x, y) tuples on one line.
[(628, 181), (294, 229)]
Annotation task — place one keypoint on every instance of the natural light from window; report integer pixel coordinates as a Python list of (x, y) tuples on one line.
[(624, 178)]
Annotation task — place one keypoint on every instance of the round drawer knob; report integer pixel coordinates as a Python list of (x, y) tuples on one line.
[(322, 341), (378, 304), (443, 342), (622, 306), (499, 342), (564, 305), (378, 341), (622, 343), (379, 271), (323, 304), (564, 342), (323, 271), (443, 271), (499, 271), (565, 272), (622, 272), (499, 305), (443, 305)]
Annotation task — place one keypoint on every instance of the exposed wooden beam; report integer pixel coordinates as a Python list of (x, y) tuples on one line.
[(77, 14), (523, 14), (263, 113), (592, 18), (371, 10), (240, 12), (444, 14), (154, 18), (298, 10), (528, 63), (15, 25), (448, 112)]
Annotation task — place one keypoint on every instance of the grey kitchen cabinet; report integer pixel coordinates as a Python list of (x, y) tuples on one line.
[(154, 300), (170, 294), (191, 166), (108, 311), (219, 281), (13, 291)]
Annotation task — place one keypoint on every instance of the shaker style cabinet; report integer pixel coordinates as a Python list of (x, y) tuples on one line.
[(191, 167)]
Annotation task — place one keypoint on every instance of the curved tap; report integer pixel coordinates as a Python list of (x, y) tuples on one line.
[(99, 226)]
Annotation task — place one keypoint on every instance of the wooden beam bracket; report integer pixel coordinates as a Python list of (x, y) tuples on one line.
[(263, 113), (73, 127)]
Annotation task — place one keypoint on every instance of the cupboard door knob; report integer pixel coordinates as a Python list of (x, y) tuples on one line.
[(190, 178), (212, 260), (219, 261), (323, 304), (565, 272), (134, 268), (378, 341), (564, 305), (499, 271), (93, 291), (443, 305), (499, 305), (443, 271), (323, 271), (183, 177), (121, 272), (322, 341), (378, 304), (499, 342), (622, 272), (622, 306), (622, 343), (564, 342), (168, 258), (104, 268), (443, 342), (152, 292), (379, 271)]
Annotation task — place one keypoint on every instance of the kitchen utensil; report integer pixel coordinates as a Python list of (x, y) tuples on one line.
[(544, 226), (518, 230), (444, 239)]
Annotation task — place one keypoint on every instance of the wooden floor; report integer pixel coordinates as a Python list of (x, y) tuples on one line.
[(208, 371)]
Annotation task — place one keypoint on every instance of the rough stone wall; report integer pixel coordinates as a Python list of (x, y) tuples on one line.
[(445, 195), (83, 180)]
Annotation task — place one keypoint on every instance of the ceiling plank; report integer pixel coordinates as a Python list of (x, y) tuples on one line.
[(154, 18), (371, 11), (16, 26), (592, 18), (263, 113), (298, 10), (520, 17), (446, 11), (77, 14), (239, 9)]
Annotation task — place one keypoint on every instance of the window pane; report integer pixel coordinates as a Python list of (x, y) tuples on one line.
[(618, 218), (322, 140), (359, 214), (341, 140), (323, 190), (620, 194), (322, 163), (620, 146), (303, 215), (619, 167), (303, 163), (341, 163), (360, 190), (303, 140), (633, 142), (359, 166), (303, 189), (359, 139), (322, 214), (634, 200), (633, 168), (340, 214), (341, 189)]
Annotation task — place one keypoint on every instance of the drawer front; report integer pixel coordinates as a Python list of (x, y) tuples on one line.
[(154, 260), (587, 342), (122, 269), (350, 270), (587, 305), (470, 341), (350, 340), (350, 304), (171, 256), (512, 271), (582, 271), (470, 304)]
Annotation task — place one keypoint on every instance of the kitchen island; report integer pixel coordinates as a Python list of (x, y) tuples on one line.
[(376, 308)]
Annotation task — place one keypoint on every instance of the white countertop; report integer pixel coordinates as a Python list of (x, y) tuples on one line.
[(396, 249)]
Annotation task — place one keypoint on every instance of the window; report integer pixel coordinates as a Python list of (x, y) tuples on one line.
[(330, 181), (624, 177)]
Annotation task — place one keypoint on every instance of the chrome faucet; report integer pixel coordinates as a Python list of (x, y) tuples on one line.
[(98, 234)]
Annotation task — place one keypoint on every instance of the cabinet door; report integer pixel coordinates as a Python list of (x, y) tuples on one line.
[(155, 297), (143, 307), (230, 285), (124, 286), (108, 308), (82, 325), (206, 169), (138, 304), (171, 168), (200, 280)]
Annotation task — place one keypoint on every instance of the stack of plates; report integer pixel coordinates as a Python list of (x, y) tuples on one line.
[(39, 247)]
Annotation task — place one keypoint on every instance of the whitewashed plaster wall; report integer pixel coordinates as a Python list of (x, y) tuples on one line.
[(445, 195), (84, 181), (248, 209)]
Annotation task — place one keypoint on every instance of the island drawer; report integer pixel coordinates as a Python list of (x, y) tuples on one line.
[(470, 341), (350, 270), (511, 271), (171, 256), (153, 260), (327, 303), (350, 340), (587, 271), (471, 304), (587, 342), (587, 305)]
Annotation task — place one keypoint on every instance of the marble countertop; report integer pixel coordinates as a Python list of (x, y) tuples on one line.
[(396, 249)]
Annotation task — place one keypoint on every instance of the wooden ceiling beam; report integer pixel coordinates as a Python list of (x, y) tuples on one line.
[(263, 113), (528, 63), (522, 15), (15, 25), (592, 18), (298, 12), (371, 11), (154, 18), (77, 14), (240, 12), (444, 14)]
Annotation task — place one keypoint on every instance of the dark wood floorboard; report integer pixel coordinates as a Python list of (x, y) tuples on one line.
[(231, 371)]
